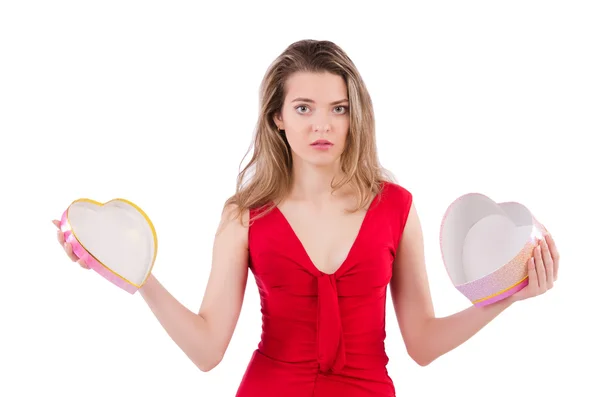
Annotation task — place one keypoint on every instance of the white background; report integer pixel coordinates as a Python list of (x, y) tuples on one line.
[(156, 102)]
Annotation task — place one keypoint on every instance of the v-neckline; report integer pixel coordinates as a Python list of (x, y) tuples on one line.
[(346, 260)]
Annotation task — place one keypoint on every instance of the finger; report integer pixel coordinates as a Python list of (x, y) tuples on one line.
[(60, 236), (82, 264), (554, 253), (539, 268), (548, 264), (56, 223), (533, 278), (70, 253)]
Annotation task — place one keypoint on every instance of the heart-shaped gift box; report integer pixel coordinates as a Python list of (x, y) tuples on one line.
[(116, 239), (486, 245)]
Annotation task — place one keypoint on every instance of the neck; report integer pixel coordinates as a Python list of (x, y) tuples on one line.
[(312, 183)]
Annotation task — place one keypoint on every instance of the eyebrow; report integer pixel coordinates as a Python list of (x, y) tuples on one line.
[(311, 101)]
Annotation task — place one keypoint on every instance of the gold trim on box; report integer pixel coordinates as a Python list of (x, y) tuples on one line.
[(502, 291)]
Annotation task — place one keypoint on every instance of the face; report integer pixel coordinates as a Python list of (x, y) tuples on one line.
[(315, 117)]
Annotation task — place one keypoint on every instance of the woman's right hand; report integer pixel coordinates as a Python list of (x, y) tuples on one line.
[(66, 246)]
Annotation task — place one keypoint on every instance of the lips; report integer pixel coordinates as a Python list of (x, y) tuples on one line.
[(321, 142)]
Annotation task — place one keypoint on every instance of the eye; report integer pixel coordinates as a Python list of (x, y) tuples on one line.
[(300, 108), (341, 109)]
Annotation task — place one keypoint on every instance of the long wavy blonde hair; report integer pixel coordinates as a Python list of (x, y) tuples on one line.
[(267, 178)]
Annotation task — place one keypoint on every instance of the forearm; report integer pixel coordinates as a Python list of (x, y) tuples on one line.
[(187, 329), (443, 334)]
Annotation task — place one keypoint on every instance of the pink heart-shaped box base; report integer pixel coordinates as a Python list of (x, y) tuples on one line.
[(116, 239)]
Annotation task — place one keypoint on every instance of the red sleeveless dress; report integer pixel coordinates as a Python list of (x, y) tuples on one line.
[(323, 335)]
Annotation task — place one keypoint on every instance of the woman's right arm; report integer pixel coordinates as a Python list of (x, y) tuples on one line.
[(205, 336)]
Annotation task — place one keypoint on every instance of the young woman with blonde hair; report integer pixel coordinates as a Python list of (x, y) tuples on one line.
[(324, 229)]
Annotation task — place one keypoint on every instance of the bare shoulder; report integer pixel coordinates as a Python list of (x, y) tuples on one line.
[(234, 222), (230, 249)]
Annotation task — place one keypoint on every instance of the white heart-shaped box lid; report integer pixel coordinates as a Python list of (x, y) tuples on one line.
[(118, 234), (478, 236)]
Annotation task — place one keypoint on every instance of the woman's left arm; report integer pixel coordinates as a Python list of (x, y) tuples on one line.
[(428, 337)]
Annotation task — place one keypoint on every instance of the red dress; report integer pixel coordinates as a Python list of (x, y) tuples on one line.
[(323, 335)]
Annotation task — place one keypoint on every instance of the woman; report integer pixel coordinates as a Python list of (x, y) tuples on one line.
[(324, 230)]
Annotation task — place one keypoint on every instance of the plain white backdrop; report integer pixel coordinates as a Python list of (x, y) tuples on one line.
[(156, 102)]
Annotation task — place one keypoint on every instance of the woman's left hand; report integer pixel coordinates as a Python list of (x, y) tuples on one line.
[(542, 269)]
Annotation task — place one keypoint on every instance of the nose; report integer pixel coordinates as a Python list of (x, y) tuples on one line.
[(321, 126), (321, 122)]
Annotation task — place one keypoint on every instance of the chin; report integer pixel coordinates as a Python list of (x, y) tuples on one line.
[(323, 164), (321, 161)]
